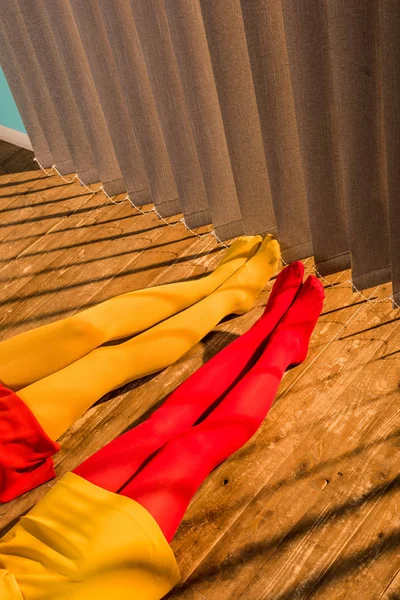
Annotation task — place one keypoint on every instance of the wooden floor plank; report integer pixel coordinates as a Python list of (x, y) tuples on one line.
[(76, 285), (6, 150), (361, 475), (367, 562), (18, 166), (15, 231), (309, 507), (308, 475), (329, 326), (45, 254), (215, 508), (392, 591)]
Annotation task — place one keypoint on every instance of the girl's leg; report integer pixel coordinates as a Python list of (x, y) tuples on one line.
[(114, 464), (59, 399), (34, 354), (167, 483)]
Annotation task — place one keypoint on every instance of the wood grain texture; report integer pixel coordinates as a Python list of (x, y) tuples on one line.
[(309, 508)]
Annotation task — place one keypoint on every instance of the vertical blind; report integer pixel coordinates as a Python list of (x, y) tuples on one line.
[(257, 116)]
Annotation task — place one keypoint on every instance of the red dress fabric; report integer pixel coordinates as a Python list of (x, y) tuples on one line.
[(25, 448)]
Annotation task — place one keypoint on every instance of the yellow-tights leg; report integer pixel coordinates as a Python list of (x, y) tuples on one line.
[(37, 353), (59, 399)]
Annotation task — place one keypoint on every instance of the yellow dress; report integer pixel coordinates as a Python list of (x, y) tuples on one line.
[(81, 542)]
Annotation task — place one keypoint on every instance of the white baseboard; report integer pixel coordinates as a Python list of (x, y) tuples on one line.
[(15, 137)]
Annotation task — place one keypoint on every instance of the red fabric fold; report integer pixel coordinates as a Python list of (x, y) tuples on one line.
[(25, 448)]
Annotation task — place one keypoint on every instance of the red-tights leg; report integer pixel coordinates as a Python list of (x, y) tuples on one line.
[(167, 483), (112, 466)]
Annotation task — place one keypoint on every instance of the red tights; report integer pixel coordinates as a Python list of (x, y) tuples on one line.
[(114, 464), (187, 453)]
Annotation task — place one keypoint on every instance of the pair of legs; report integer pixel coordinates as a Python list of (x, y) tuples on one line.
[(35, 354), (237, 387), (58, 374)]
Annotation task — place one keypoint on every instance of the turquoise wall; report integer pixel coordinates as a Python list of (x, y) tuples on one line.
[(9, 115)]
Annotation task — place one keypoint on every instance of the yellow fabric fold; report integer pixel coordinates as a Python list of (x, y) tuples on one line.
[(9, 589), (81, 542)]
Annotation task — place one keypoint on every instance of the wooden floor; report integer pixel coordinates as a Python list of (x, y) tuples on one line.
[(310, 507)]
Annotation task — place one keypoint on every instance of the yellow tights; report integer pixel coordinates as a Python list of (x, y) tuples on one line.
[(63, 396), (34, 354)]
